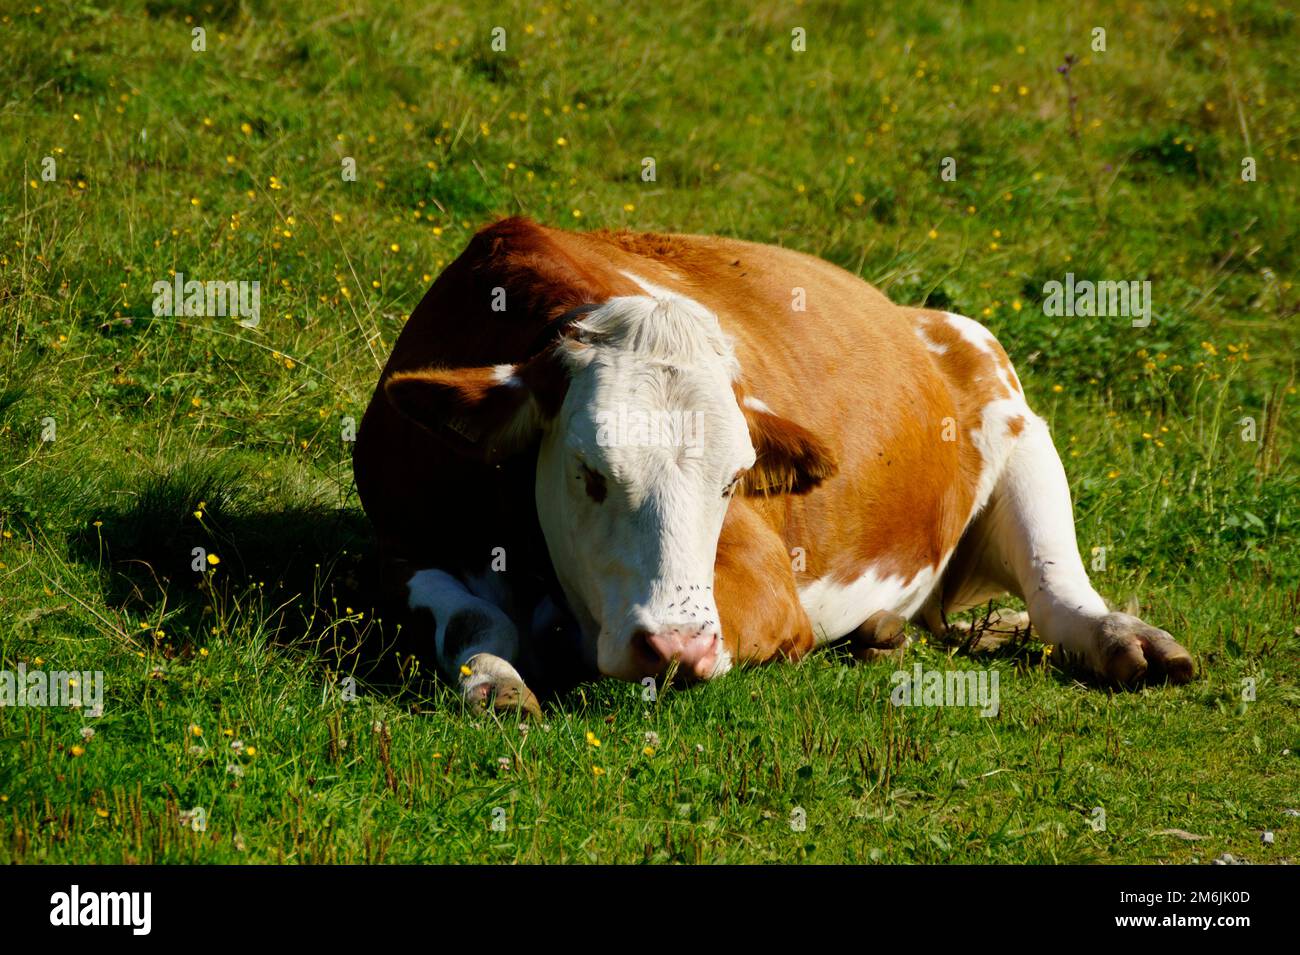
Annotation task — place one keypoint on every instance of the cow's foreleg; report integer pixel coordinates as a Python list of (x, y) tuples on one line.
[(476, 643), (754, 586), (1025, 541)]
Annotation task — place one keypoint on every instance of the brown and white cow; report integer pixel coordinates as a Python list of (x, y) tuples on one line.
[(696, 451)]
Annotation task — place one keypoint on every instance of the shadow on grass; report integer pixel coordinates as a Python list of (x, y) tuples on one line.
[(203, 547), (207, 545)]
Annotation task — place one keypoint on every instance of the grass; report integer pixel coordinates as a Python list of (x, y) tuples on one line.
[(171, 434)]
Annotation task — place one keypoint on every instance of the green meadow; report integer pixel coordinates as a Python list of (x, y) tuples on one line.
[(260, 708)]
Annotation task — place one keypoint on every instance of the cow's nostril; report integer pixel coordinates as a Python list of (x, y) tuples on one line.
[(645, 649)]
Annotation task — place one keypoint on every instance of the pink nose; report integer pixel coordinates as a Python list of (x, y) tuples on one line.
[(693, 646)]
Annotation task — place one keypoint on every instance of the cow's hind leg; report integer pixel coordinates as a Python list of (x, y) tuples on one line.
[(1024, 542), (476, 642)]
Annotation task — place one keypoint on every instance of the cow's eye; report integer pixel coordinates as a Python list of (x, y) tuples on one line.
[(730, 489), (596, 489)]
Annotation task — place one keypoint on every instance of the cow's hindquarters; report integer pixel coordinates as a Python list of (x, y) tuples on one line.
[(1024, 542)]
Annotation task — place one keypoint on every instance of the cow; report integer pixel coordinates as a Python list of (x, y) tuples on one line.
[(673, 454)]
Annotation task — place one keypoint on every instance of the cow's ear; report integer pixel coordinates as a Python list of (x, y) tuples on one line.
[(790, 459), (490, 412)]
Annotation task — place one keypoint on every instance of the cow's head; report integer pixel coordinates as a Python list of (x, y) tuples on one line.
[(645, 436)]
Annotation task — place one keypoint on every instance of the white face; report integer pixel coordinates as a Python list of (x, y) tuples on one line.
[(634, 477)]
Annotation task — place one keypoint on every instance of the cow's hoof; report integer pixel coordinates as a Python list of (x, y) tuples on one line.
[(502, 695), (513, 695), (491, 683), (1131, 651), (882, 636)]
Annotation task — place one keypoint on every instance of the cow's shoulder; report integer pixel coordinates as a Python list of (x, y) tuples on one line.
[(490, 305)]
